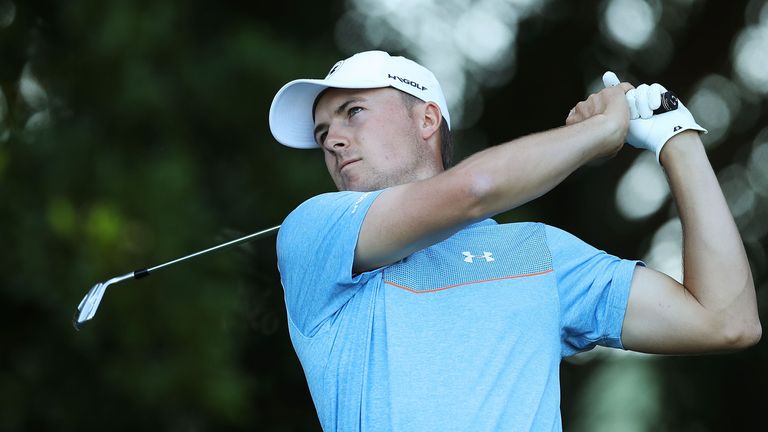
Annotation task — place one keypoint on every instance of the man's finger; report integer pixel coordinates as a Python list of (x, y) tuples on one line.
[(626, 86), (632, 102), (643, 95), (655, 95), (610, 79)]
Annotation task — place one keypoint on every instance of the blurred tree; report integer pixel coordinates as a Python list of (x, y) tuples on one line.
[(151, 136)]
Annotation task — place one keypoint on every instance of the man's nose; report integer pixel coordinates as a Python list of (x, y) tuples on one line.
[(337, 137)]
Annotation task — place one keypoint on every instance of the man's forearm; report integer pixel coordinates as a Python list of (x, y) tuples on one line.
[(513, 173), (716, 269)]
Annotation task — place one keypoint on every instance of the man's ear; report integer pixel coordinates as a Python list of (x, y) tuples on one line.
[(431, 118)]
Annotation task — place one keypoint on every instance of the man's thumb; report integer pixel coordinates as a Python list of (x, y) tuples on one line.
[(610, 79)]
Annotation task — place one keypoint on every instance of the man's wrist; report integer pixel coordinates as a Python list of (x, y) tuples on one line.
[(680, 147), (609, 135)]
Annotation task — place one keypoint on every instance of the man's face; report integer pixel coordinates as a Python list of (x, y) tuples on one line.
[(369, 139)]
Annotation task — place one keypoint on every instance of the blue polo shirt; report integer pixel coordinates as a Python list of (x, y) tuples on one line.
[(464, 335)]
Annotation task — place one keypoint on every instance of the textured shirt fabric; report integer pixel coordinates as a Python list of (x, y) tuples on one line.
[(465, 335)]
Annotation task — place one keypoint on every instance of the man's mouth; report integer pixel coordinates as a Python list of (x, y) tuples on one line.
[(347, 162)]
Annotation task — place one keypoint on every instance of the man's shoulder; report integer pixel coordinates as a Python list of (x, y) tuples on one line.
[(323, 206), (331, 201), (321, 200), (325, 216)]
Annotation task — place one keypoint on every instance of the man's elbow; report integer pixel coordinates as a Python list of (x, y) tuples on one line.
[(742, 336), (752, 335), (740, 327)]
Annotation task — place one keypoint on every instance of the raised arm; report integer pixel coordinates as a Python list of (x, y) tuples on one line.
[(410, 217), (715, 308)]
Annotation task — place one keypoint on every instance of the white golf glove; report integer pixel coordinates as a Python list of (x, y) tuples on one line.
[(647, 130)]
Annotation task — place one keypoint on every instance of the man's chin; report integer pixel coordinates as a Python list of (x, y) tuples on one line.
[(358, 187), (369, 184), (352, 184)]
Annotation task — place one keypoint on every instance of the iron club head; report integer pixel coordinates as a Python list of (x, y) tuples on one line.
[(87, 307), (90, 303)]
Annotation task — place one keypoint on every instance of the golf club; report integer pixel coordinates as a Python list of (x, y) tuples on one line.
[(87, 307)]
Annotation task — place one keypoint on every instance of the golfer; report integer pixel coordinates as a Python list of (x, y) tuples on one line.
[(411, 310)]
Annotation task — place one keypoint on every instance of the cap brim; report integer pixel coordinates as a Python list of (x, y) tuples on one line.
[(290, 116)]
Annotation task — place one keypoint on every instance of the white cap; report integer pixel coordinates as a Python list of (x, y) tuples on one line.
[(291, 118)]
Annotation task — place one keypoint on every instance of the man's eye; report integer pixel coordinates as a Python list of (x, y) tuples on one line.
[(321, 138), (354, 110)]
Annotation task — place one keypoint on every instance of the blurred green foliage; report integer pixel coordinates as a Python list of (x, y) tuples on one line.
[(157, 140), (147, 139)]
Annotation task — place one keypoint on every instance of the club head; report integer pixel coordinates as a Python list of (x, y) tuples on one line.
[(87, 307)]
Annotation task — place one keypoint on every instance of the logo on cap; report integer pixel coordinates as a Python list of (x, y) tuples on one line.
[(407, 82), (334, 68)]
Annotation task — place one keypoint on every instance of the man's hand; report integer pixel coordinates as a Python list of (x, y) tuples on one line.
[(647, 130), (610, 105)]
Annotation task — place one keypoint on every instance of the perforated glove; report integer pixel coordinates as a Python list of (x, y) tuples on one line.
[(647, 130)]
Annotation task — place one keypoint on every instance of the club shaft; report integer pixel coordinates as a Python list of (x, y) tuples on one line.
[(263, 233)]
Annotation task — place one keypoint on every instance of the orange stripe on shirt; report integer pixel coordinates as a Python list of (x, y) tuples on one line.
[(465, 283)]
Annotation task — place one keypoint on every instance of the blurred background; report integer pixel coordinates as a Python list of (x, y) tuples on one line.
[(135, 132)]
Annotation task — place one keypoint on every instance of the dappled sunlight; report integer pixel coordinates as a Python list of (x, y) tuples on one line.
[(483, 37), (32, 91), (666, 251), (643, 189), (630, 23), (716, 102), (623, 395), (753, 224), (750, 53), (758, 164), (36, 98), (725, 106), (468, 45), (740, 196)]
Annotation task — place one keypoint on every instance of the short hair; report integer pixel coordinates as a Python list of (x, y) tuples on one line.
[(446, 139)]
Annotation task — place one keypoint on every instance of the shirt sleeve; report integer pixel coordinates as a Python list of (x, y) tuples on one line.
[(315, 253), (593, 289)]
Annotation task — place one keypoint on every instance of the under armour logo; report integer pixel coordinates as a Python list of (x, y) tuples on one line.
[(469, 257)]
